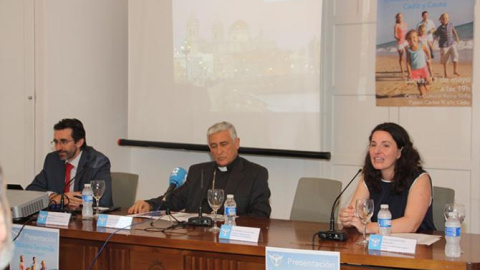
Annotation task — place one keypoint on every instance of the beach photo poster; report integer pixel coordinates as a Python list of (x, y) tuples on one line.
[(424, 53)]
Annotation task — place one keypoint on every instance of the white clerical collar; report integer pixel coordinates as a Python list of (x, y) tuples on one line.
[(222, 169)]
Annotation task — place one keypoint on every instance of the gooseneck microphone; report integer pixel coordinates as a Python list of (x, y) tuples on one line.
[(177, 178), (200, 220), (331, 234)]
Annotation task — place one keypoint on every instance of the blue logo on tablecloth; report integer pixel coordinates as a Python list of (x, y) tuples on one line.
[(276, 259), (298, 259), (102, 220), (375, 242), (42, 218), (225, 231)]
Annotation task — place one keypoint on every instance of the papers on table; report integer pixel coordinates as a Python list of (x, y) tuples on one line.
[(400, 242), (180, 216), (422, 239), (152, 214)]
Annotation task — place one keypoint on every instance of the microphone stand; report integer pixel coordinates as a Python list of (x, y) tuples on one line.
[(166, 202), (200, 220), (331, 234)]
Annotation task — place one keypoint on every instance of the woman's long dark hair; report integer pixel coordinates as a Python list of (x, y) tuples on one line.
[(407, 167)]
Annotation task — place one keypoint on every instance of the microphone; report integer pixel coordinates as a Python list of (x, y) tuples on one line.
[(332, 234), (200, 220), (177, 178)]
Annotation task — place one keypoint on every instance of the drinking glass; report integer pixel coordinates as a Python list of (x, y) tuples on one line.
[(98, 188), (457, 208), (215, 200), (364, 211)]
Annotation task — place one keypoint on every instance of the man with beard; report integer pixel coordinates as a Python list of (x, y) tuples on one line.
[(71, 165)]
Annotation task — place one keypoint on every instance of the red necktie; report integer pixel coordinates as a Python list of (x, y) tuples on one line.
[(68, 169)]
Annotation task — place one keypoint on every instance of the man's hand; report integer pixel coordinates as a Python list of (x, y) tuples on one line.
[(139, 207), (72, 199)]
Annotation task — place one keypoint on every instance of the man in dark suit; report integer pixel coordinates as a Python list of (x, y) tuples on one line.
[(72, 154), (246, 180)]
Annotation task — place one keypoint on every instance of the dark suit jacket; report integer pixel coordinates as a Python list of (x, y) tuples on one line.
[(93, 165), (247, 182)]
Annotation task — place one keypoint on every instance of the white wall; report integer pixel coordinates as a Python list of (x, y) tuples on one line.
[(447, 138), (16, 89), (81, 72)]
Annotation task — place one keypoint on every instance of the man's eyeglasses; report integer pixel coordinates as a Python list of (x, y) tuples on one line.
[(62, 142)]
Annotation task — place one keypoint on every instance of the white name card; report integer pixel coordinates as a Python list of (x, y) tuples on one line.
[(239, 233), (114, 221), (53, 218), (392, 244)]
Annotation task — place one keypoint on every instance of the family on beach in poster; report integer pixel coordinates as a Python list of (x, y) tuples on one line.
[(424, 53)]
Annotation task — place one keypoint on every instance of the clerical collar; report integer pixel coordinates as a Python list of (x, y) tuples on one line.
[(230, 166)]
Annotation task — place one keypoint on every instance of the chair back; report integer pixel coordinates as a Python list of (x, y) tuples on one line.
[(124, 188), (441, 196), (314, 199)]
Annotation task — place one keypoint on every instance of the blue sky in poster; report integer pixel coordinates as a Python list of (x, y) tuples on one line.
[(41, 243), (460, 11)]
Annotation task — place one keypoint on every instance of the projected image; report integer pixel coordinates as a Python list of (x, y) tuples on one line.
[(249, 55)]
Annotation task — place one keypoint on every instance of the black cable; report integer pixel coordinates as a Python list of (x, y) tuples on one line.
[(52, 202), (114, 232), (108, 239), (313, 240), (23, 226)]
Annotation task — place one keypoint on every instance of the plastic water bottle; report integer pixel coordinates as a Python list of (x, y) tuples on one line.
[(452, 236), (384, 220), (230, 210), (87, 198)]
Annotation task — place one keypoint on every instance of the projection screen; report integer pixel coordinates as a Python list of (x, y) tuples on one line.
[(250, 62)]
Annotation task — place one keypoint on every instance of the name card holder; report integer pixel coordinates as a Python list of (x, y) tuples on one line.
[(392, 244), (114, 221), (239, 233), (53, 218)]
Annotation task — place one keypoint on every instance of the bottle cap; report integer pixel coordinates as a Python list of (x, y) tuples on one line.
[(452, 214), (229, 196), (86, 185), (384, 206)]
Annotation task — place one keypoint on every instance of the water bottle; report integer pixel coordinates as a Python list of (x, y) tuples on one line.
[(384, 220), (230, 210), (87, 198), (452, 236)]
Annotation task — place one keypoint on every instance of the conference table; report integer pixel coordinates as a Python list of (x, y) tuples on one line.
[(147, 246)]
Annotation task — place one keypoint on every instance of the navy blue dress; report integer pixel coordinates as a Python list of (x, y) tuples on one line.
[(398, 202)]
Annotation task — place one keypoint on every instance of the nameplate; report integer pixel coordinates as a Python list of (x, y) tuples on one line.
[(53, 218), (114, 221), (392, 244), (285, 258), (239, 233)]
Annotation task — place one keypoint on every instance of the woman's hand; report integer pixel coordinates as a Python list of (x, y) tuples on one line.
[(346, 216), (348, 219)]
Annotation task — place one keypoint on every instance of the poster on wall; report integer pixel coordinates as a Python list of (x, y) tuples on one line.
[(424, 53)]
